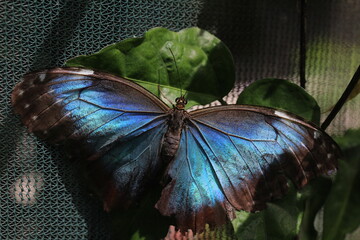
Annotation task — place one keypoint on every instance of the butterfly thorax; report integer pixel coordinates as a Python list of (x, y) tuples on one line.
[(176, 120)]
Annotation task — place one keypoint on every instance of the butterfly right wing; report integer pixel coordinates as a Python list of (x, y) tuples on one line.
[(240, 157), (113, 125)]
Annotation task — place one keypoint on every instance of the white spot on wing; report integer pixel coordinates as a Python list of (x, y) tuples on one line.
[(316, 135), (281, 114), (284, 115), (83, 72), (329, 155), (21, 92), (34, 117), (42, 77), (86, 71), (27, 106)]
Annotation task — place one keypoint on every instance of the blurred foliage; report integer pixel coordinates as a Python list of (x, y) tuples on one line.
[(342, 209), (141, 221), (280, 220)]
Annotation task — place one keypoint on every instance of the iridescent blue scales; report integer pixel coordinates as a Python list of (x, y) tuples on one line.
[(214, 161)]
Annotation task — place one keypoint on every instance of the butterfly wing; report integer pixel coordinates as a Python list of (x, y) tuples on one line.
[(238, 158), (113, 125)]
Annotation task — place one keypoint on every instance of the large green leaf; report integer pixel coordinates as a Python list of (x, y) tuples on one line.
[(282, 94), (342, 209), (164, 62)]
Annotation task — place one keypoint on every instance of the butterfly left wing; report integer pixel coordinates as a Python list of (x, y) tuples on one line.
[(240, 157), (113, 125)]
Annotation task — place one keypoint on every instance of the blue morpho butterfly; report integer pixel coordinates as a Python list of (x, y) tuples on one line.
[(215, 160)]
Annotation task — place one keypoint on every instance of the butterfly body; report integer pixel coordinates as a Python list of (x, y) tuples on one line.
[(171, 141), (215, 160)]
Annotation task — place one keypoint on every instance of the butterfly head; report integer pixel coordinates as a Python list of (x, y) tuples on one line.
[(180, 103)]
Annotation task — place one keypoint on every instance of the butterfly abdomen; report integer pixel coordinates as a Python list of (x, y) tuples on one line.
[(172, 137), (171, 143)]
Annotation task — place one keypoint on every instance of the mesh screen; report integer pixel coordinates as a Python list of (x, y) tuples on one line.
[(41, 196)]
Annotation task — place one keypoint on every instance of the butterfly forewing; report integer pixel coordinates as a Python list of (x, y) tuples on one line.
[(112, 124)]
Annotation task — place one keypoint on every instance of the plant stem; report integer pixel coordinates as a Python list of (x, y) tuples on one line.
[(354, 81)]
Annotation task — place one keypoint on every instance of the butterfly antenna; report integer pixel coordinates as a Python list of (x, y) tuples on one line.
[(177, 71), (354, 81), (160, 93)]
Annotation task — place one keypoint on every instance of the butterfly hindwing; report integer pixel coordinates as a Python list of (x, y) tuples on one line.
[(193, 194), (238, 158), (112, 124)]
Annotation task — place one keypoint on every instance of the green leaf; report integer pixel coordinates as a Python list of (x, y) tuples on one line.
[(342, 209), (280, 220), (282, 94), (164, 62), (350, 141)]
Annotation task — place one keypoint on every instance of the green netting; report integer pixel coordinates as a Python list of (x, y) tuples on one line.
[(41, 196)]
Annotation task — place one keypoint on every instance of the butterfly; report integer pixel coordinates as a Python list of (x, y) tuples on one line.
[(211, 162)]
